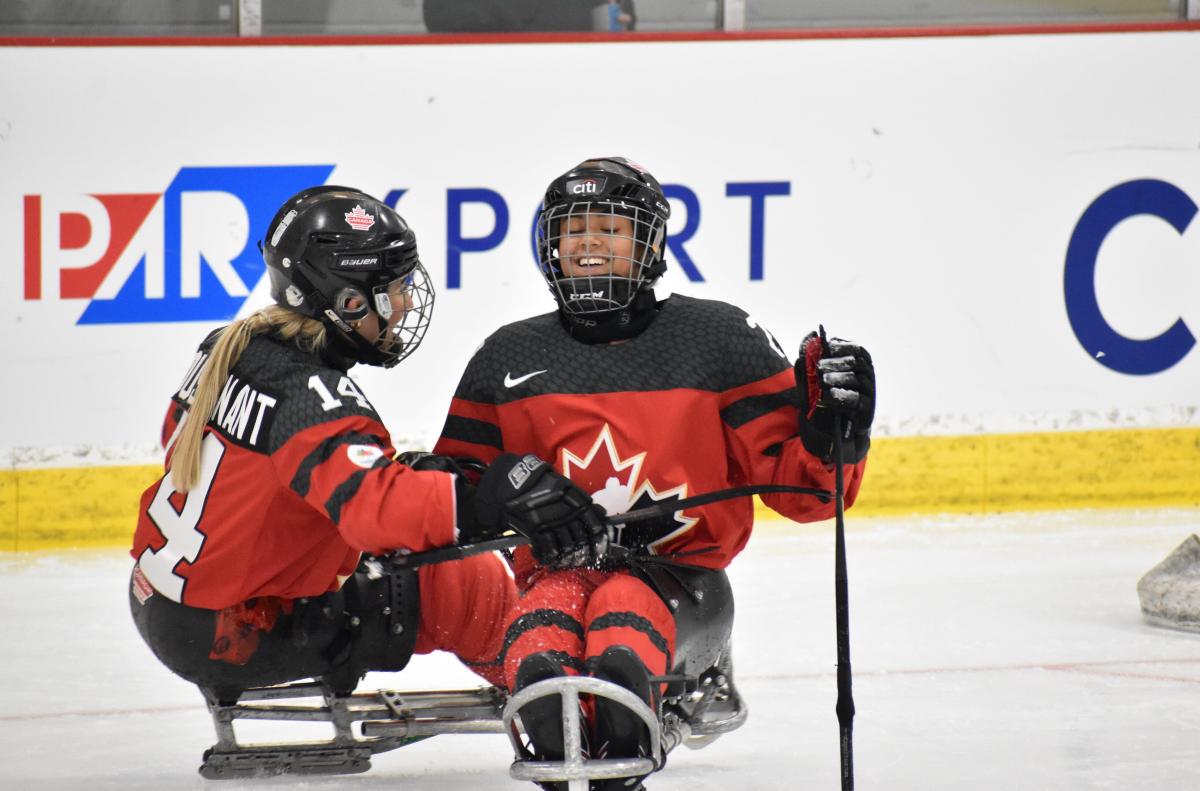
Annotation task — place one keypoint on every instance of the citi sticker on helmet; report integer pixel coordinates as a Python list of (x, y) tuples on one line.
[(358, 219), (586, 186)]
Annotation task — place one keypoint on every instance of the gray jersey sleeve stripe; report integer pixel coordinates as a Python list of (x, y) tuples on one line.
[(348, 488), (302, 480), (741, 412), (478, 432)]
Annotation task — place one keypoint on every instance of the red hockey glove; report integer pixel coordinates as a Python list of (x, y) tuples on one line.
[(835, 376)]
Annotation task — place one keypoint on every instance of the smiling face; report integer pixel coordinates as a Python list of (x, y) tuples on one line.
[(596, 243)]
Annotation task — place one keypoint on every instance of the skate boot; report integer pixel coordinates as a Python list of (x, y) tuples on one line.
[(619, 732)]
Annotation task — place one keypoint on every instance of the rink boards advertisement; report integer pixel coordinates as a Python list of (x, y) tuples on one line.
[(1006, 222)]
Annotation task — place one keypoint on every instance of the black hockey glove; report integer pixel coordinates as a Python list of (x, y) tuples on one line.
[(835, 377), (565, 528), (467, 472), (469, 468)]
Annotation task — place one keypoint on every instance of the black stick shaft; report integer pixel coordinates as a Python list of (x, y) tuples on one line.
[(458, 552), (845, 698)]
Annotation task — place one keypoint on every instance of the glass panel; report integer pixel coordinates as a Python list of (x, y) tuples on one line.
[(764, 14), (342, 17), (407, 17), (118, 18)]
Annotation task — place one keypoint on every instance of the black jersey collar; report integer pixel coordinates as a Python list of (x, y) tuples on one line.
[(339, 351), (613, 325)]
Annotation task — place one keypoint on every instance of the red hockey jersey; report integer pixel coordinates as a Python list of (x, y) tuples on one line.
[(703, 399), (297, 479)]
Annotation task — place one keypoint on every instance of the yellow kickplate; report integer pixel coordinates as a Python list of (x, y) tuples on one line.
[(71, 507), (993, 473), (986, 473)]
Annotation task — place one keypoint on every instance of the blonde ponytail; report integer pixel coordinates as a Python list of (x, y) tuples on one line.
[(309, 334)]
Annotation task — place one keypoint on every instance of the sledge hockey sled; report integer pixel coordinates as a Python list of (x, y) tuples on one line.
[(367, 723), (387, 720)]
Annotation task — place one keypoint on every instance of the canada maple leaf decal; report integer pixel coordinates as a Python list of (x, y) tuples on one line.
[(616, 484)]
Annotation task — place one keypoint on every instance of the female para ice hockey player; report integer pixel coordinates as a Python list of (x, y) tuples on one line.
[(640, 401), (280, 476)]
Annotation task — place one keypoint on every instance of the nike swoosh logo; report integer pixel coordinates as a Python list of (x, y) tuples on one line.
[(509, 381)]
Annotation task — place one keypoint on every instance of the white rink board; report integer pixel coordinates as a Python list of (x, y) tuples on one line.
[(934, 186)]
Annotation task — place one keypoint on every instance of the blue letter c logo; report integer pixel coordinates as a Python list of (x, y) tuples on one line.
[(1101, 341)]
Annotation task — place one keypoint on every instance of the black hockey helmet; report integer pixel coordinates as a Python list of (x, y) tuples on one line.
[(337, 254), (578, 203)]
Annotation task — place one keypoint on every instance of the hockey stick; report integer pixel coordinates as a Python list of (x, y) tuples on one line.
[(443, 554), (845, 698)]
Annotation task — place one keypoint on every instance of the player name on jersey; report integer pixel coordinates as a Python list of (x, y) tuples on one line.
[(188, 388), (242, 410)]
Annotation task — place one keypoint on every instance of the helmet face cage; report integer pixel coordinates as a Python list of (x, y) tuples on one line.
[(600, 235), (596, 255), (411, 296)]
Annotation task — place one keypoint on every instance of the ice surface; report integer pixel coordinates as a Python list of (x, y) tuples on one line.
[(989, 653)]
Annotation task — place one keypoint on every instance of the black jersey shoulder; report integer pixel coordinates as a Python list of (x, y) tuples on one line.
[(276, 390), (187, 388), (693, 343), (753, 352), (509, 353)]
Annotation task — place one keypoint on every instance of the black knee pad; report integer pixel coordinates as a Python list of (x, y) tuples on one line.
[(383, 613)]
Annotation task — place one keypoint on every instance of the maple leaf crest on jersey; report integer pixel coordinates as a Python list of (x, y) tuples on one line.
[(618, 485)]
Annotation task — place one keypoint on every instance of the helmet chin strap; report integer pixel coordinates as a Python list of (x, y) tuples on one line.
[(351, 346), (656, 269)]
